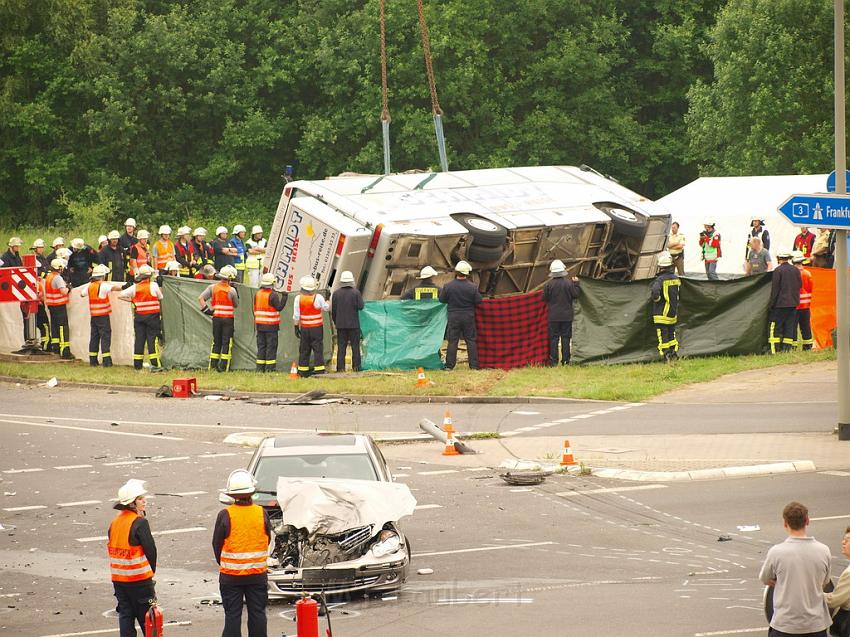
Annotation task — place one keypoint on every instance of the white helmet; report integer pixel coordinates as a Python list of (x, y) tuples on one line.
[(113, 234), (130, 222), (184, 230), (219, 230), (164, 229), (145, 271), (57, 264), (63, 253), (38, 243), (15, 241), (346, 278), (463, 267), (227, 272), (256, 230), (709, 221), (665, 260), (238, 228), (172, 265), (200, 232), (240, 482), (557, 267), (267, 280), (101, 239), (797, 257), (78, 244), (308, 283), (427, 272), (58, 241), (99, 270), (133, 489), (784, 254), (144, 234)]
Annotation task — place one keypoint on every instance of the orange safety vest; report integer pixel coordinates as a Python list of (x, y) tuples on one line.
[(53, 297), (310, 315), (222, 305), (145, 302), (141, 255), (164, 253), (246, 549), (264, 313), (97, 305), (806, 290), (127, 562)]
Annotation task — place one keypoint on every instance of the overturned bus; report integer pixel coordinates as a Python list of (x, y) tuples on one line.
[(509, 223)]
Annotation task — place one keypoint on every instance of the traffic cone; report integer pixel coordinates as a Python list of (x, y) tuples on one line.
[(450, 449), (568, 459), (447, 421), (421, 381), (293, 371)]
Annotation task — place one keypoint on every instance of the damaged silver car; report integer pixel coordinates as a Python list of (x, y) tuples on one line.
[(335, 510)]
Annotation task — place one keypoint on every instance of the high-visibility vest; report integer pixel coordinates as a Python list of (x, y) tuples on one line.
[(187, 253), (145, 302), (140, 254), (264, 313), (246, 549), (53, 297), (711, 252), (126, 562), (222, 304), (97, 305), (806, 290), (204, 252), (310, 315), (164, 253), (425, 293), (254, 261)]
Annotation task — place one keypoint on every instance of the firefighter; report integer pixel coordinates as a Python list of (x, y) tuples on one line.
[(223, 252), (804, 311), (254, 261), (203, 250), (172, 268), (237, 242), (559, 292), (80, 263), (461, 296), (127, 241), (206, 273), (43, 266), (784, 299), (113, 257), (267, 306), (58, 244), (97, 292), (145, 295), (132, 558), (665, 307), (308, 320), (163, 249), (757, 230), (184, 251), (804, 242), (426, 289), (12, 257), (220, 301), (140, 253), (240, 543), (709, 242), (346, 304), (56, 298)]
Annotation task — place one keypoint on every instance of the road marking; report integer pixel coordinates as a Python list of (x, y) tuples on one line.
[(477, 469), (842, 474), (641, 487), (74, 466), (78, 504), (104, 631), (89, 429), (29, 508), (830, 517), (122, 463), (582, 416), (527, 413), (419, 507), (731, 632), (188, 493), (564, 420), (22, 470), (170, 459), (101, 538), (217, 455), (490, 600), (436, 473), (485, 548)]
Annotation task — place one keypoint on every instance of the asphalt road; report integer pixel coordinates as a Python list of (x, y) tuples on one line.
[(572, 556)]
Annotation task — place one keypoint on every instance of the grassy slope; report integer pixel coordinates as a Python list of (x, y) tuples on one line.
[(602, 382)]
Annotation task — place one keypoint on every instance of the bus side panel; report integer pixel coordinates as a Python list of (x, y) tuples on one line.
[(304, 246)]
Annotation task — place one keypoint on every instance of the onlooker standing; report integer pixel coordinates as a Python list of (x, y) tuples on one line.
[(12, 257), (254, 261), (709, 242), (163, 249), (203, 251), (804, 242), (784, 299), (58, 244), (112, 257), (81, 262), (223, 253), (821, 253), (757, 230), (237, 242), (128, 240), (184, 251), (798, 570), (461, 296), (346, 304), (803, 330), (140, 253), (676, 247), (839, 599), (758, 259), (559, 292), (665, 308)]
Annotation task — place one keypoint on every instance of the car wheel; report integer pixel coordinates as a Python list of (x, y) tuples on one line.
[(484, 232), (626, 221), (483, 253)]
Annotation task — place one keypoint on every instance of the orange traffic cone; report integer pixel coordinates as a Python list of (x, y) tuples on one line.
[(421, 381), (450, 449), (568, 459), (447, 421), (293, 371)]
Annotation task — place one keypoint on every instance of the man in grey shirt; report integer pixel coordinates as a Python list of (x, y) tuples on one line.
[(758, 259), (797, 569)]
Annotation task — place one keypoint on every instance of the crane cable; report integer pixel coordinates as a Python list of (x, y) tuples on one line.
[(432, 87), (385, 102)]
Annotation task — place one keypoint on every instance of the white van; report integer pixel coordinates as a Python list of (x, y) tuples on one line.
[(509, 223)]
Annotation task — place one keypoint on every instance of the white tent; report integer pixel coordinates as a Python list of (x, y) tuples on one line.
[(732, 202)]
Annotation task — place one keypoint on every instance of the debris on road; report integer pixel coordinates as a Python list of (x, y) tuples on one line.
[(313, 397), (724, 538), (438, 434), (53, 382), (425, 571), (216, 397), (749, 528)]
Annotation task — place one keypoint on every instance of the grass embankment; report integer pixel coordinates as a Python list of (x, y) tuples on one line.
[(601, 382)]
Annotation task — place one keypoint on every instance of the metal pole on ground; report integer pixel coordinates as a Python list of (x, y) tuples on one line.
[(841, 284)]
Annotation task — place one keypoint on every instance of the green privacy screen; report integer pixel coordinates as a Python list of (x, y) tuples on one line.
[(402, 334)]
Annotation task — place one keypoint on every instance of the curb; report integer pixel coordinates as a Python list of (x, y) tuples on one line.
[(253, 438), (797, 466)]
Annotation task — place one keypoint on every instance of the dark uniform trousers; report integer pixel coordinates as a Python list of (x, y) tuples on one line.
[(255, 596), (560, 331), (267, 336), (312, 340), (668, 345), (59, 335), (43, 326), (147, 328), (462, 325), (805, 339), (344, 338), (133, 604), (222, 347), (100, 340), (783, 329)]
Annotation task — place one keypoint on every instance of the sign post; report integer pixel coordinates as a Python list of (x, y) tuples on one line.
[(841, 287)]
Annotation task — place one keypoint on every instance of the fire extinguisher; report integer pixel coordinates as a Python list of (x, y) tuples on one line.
[(307, 617), (153, 621)]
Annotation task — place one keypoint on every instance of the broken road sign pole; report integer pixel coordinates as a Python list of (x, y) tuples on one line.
[(438, 434)]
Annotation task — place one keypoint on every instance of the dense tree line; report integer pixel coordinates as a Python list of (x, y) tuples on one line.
[(190, 109)]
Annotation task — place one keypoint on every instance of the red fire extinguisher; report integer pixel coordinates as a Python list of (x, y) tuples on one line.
[(153, 621), (307, 617)]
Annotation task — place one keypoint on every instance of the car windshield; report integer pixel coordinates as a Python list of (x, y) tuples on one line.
[(350, 466)]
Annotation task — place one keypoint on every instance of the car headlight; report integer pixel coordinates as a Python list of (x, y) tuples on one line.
[(388, 542)]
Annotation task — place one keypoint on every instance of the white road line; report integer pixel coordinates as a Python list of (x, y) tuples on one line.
[(582, 416), (401, 475), (641, 487), (29, 508), (485, 548), (842, 474), (74, 466), (91, 430), (216, 455), (495, 600), (505, 434), (188, 493), (122, 463), (564, 420), (419, 507), (477, 469), (101, 538), (10, 595), (436, 473), (524, 429), (830, 517), (104, 631), (22, 470), (730, 632), (170, 459), (78, 504)]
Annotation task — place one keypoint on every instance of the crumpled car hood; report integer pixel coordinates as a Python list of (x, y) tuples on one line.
[(329, 505)]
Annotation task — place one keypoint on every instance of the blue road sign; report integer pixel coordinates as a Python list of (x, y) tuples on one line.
[(818, 211), (830, 181)]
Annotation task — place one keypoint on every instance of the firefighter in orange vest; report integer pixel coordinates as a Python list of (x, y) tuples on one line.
[(220, 301), (140, 252), (56, 295), (240, 543), (97, 292), (163, 249), (804, 309), (132, 558), (307, 316), (267, 306), (147, 323)]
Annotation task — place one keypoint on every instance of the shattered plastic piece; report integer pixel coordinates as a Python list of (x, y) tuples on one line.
[(50, 383), (724, 538), (749, 528), (10, 493), (517, 465), (214, 397), (425, 571)]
